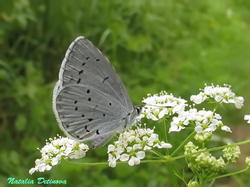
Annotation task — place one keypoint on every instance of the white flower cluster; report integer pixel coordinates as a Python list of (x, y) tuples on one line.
[(247, 118), (248, 161), (204, 121), (232, 153), (57, 149), (132, 144), (203, 161), (221, 94), (159, 105)]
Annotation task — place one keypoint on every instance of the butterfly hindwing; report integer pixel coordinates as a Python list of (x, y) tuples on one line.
[(85, 113)]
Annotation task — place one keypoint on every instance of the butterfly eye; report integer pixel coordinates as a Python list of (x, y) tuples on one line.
[(138, 110)]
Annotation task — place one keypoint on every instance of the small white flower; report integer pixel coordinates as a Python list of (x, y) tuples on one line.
[(111, 148), (32, 170), (226, 128), (140, 154), (164, 145), (124, 157), (112, 163), (54, 161), (247, 118), (133, 161), (198, 99), (239, 102)]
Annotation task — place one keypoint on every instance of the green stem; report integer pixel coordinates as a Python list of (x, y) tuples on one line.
[(157, 153), (106, 163), (165, 130), (232, 173), (165, 134), (183, 143)]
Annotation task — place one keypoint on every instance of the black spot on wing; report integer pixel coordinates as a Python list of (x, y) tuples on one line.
[(80, 72), (78, 81), (104, 79), (86, 128)]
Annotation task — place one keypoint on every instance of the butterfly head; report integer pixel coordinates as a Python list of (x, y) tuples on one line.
[(138, 109)]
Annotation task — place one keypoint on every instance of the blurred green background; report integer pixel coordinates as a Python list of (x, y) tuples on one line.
[(169, 45)]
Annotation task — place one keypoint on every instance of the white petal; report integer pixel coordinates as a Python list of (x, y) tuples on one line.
[(124, 157), (140, 154), (226, 128), (32, 170), (131, 162)]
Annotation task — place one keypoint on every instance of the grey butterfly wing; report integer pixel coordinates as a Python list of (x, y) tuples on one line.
[(85, 64), (101, 140), (89, 100), (86, 113)]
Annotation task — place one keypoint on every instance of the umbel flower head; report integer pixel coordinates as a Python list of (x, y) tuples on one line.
[(203, 161), (132, 144), (159, 105), (231, 153), (57, 149), (204, 121), (221, 94)]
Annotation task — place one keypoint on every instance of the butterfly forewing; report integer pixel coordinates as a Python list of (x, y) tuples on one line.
[(84, 64)]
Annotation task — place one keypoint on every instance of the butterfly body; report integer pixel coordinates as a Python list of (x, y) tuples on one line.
[(89, 100)]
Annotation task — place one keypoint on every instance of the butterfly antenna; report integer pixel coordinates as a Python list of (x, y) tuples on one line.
[(165, 106)]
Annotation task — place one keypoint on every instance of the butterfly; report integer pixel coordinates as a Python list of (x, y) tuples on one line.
[(90, 101)]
